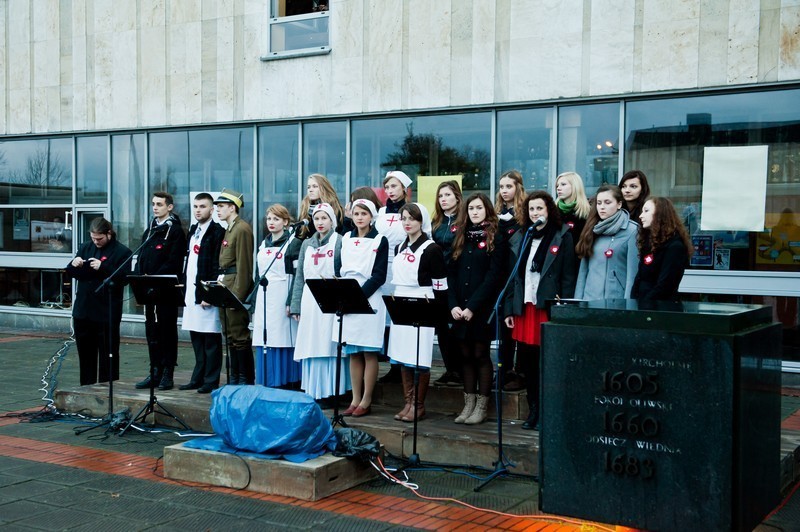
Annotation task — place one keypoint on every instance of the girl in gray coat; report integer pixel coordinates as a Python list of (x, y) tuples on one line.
[(607, 248)]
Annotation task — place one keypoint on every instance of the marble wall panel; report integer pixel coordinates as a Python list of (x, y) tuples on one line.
[(183, 11), (347, 30), (3, 67), (483, 52), (79, 118), (428, 74), (769, 44), (383, 55), (789, 56), (152, 52), (102, 103), (46, 63), (153, 100), (19, 110), (611, 47), (224, 96), (125, 57), (124, 101), (152, 13), (103, 57), (45, 20), (743, 43), (713, 43), (461, 37), (66, 107)]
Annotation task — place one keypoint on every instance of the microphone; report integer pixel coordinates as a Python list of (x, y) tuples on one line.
[(301, 223), (539, 221)]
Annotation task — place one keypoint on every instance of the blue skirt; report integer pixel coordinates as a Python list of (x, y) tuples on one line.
[(277, 367)]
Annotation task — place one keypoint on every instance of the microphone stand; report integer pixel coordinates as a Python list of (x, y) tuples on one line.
[(264, 282), (108, 285), (500, 466)]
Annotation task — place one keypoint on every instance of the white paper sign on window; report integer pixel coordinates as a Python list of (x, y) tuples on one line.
[(734, 188)]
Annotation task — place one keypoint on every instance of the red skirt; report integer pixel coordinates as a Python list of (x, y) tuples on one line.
[(528, 327)]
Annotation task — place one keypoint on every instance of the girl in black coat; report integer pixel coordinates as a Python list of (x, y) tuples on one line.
[(510, 196), (474, 275), (664, 251), (546, 257)]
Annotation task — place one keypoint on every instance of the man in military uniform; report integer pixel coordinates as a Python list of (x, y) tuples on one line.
[(236, 273)]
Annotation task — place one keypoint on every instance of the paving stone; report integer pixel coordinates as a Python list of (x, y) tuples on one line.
[(62, 519), (28, 489), (299, 518), (16, 510)]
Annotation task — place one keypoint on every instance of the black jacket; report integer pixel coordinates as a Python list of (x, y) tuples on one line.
[(91, 305), (208, 256), (660, 273), (558, 275), (473, 283), (444, 235), (163, 253)]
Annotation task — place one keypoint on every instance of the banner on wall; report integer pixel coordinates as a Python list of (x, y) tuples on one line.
[(427, 185), (734, 177)]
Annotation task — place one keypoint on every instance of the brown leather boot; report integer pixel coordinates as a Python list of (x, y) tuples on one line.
[(407, 378), (418, 410)]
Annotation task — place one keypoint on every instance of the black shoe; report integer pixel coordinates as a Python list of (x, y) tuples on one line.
[(444, 380), (455, 380), (145, 383), (393, 376), (532, 423), (206, 388), (190, 386), (166, 381)]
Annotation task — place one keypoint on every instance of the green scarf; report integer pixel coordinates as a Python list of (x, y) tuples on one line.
[(566, 208)]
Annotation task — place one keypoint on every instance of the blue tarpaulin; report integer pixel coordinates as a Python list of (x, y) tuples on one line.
[(269, 422)]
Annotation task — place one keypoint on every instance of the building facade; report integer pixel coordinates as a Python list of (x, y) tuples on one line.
[(107, 101)]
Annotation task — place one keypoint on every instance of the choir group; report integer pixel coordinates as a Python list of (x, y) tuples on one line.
[(621, 243)]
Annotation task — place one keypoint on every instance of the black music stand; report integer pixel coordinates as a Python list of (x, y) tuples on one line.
[(153, 290), (415, 312), (340, 297), (220, 296)]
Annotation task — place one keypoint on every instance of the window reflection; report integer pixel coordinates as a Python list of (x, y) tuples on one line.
[(523, 143), (423, 145), (588, 143), (24, 287), (277, 172), (324, 152), (92, 173), (36, 171), (182, 162), (666, 138), (35, 230), (129, 208)]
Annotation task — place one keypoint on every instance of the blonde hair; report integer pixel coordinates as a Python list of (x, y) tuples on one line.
[(326, 195), (582, 207)]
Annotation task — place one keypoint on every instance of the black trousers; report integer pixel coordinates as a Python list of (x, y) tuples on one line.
[(161, 329), (449, 347), (91, 339), (207, 357), (528, 357)]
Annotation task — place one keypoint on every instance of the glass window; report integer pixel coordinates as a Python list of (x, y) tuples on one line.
[(523, 143), (129, 208), (35, 230), (588, 143), (277, 171), (665, 139), (25, 287), (92, 169), (324, 152), (298, 26), (423, 145), (36, 171), (182, 162)]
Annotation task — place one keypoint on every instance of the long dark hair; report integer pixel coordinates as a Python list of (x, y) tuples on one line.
[(553, 214), (463, 221), (586, 242), (438, 213), (636, 209), (102, 226), (666, 223), (519, 191)]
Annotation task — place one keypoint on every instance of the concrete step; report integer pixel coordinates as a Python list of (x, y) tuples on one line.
[(438, 438)]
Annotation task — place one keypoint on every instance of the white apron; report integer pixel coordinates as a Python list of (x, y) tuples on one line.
[(195, 317), (358, 259), (403, 338), (281, 329), (314, 331), (390, 226)]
